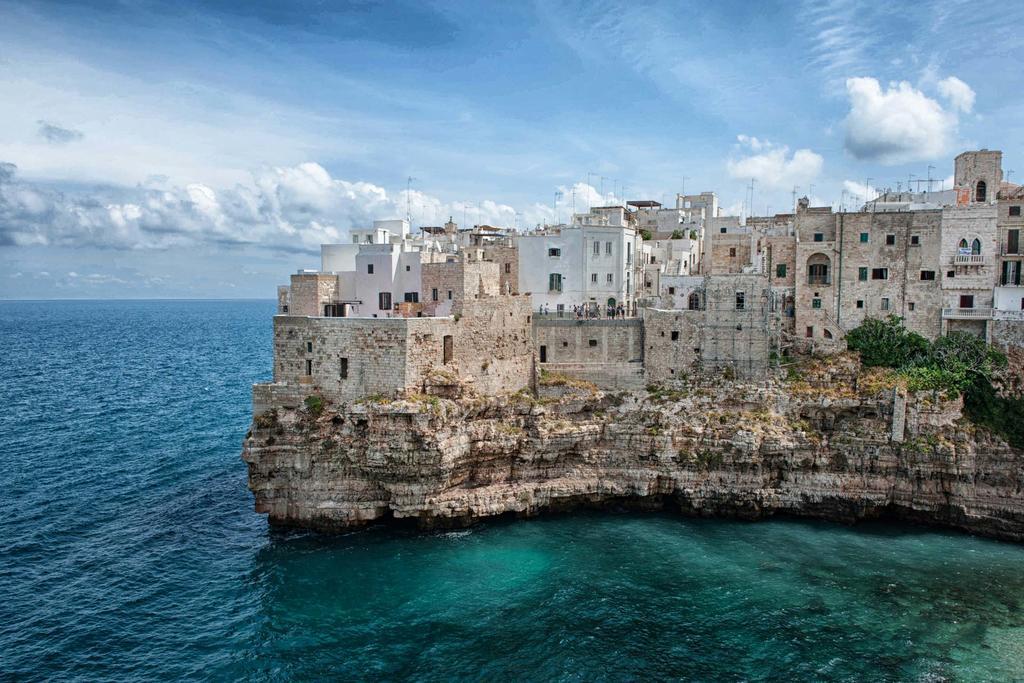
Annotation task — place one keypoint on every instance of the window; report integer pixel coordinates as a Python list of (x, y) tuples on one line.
[(565, 344), (962, 246), (309, 347), (344, 369), (860, 303), (915, 240), (369, 269), (740, 300), (384, 301), (607, 248), (927, 274), (950, 273), (693, 301), (817, 273), (827, 334), (433, 294), (593, 278), (780, 270), (309, 368), (810, 332), (412, 297), (592, 342), (910, 306), (284, 309), (610, 278), (555, 252), (976, 246), (597, 248), (981, 193), (447, 350), (1011, 273), (671, 291), (407, 269), (449, 295), (1014, 210), (879, 273), (1013, 241), (675, 335), (890, 240), (862, 274), (554, 282), (722, 231), (864, 238), (819, 237), (508, 268), (815, 303), (966, 301), (732, 251), (885, 303)]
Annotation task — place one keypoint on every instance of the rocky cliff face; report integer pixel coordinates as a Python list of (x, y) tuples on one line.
[(836, 444)]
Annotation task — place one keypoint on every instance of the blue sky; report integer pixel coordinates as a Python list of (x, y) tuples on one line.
[(205, 150)]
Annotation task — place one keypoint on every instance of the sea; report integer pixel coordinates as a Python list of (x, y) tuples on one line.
[(129, 550)]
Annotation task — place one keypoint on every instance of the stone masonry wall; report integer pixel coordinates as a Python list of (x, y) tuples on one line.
[(672, 342)]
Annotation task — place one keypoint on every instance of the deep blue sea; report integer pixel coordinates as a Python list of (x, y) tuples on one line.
[(129, 550)]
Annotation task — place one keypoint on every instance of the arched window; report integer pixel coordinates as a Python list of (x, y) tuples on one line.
[(979, 194), (694, 302), (976, 246), (962, 245), (818, 270)]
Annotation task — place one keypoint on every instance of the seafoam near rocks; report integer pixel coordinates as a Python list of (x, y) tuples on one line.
[(830, 447)]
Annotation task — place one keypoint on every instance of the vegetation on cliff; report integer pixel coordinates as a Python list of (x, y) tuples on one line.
[(958, 363)]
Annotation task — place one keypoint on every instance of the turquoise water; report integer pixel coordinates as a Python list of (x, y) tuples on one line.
[(129, 550)]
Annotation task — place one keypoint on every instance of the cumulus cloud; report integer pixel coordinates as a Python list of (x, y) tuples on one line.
[(58, 135), (900, 124), (772, 166), (282, 208), (959, 94)]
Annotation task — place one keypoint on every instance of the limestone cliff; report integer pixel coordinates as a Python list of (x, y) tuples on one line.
[(836, 444)]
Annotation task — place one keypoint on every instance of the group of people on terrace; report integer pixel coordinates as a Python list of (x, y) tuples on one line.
[(588, 311)]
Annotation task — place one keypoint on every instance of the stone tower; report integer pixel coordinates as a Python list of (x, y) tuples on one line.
[(978, 175)]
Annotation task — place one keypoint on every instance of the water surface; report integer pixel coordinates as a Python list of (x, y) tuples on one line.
[(129, 550)]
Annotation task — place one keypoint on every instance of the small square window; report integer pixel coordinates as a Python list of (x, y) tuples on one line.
[(407, 269), (885, 303), (1014, 210), (675, 335), (879, 273), (810, 332), (564, 344), (732, 251), (862, 274), (864, 237), (780, 270), (554, 252), (819, 237), (671, 291), (593, 342), (910, 306), (722, 231), (890, 240), (815, 303), (950, 273), (927, 274), (369, 269), (860, 303), (915, 240)]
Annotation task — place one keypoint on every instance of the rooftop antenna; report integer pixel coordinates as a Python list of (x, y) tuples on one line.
[(590, 184), (516, 219), (752, 181), (408, 200), (574, 200), (795, 188), (683, 190), (910, 182), (554, 206), (602, 189), (930, 167)]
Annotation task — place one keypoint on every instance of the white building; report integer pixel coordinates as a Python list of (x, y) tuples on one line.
[(591, 262)]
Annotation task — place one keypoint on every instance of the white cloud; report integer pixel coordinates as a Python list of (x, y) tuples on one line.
[(773, 167), (280, 208), (959, 94), (897, 125), (860, 191)]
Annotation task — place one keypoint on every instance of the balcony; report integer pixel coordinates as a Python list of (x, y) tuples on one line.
[(1008, 315), (819, 280), (967, 313), (969, 260)]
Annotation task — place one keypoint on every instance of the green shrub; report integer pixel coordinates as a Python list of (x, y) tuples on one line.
[(646, 234), (886, 343), (677, 234), (314, 404)]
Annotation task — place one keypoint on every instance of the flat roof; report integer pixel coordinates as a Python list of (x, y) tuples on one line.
[(643, 203)]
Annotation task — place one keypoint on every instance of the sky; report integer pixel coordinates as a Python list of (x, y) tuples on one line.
[(206, 150)]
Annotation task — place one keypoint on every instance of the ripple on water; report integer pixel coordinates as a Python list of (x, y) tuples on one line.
[(130, 550)]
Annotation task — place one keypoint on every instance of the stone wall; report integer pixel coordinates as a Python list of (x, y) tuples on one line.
[(734, 336), (310, 291), (589, 341), (672, 340)]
